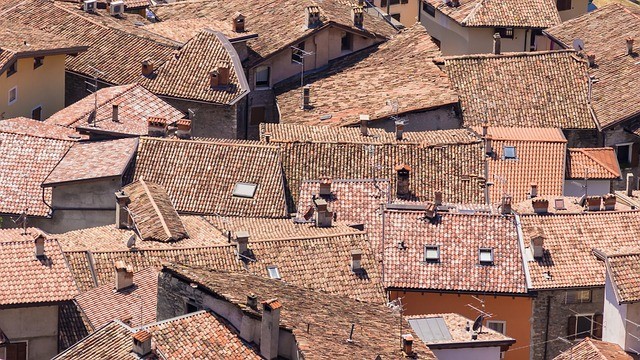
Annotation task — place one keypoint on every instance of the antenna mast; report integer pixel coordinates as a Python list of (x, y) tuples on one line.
[(298, 58), (96, 73)]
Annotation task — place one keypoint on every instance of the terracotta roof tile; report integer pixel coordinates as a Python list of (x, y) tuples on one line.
[(27, 279), (456, 325), (570, 205), (134, 306), (265, 228), (153, 214), (112, 341), (623, 271), (594, 163), (200, 176), (135, 105), (555, 82), (182, 31), (93, 160), (73, 325), (568, 242), (459, 237), (591, 349), (604, 33), (501, 13), (399, 70), (329, 328)]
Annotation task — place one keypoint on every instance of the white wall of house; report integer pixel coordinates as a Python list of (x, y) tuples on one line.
[(37, 325), (614, 315), (576, 187), (476, 353), (578, 8)]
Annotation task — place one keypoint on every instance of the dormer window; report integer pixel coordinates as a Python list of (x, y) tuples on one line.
[(432, 253), (485, 256), (509, 152), (274, 273), (13, 68), (244, 190)]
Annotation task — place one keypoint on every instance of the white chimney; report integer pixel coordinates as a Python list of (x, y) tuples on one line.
[(39, 245), (324, 215), (496, 44), (629, 184), (537, 245), (364, 124), (356, 260), (593, 203), (124, 275), (123, 221), (399, 129), (270, 329), (325, 187), (629, 41), (242, 242), (141, 343)]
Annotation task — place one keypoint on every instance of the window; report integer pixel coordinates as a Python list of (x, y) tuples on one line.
[(496, 325), (262, 76), (563, 5), (505, 33), (429, 9), (274, 273), (432, 253), (14, 351), (13, 95), (347, 40), (396, 16), (623, 152), (485, 256), (36, 114), (509, 152), (13, 68), (296, 54), (190, 306), (577, 296), (583, 325), (244, 190), (37, 62)]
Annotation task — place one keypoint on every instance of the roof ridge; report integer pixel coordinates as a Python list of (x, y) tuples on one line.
[(586, 153), (472, 13), (147, 250), (220, 142), (314, 237), (508, 54), (39, 136), (176, 318)]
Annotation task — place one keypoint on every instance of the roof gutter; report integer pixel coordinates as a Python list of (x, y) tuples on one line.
[(525, 262)]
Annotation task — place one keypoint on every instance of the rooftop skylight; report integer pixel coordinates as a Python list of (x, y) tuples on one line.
[(244, 190)]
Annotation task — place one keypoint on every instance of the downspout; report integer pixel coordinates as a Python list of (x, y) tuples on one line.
[(546, 331), (45, 202)]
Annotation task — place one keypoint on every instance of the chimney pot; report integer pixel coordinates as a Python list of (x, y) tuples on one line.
[(629, 41), (147, 67), (438, 198), (399, 129), (38, 241), (141, 343), (533, 192), (325, 187), (270, 329), (114, 114), (123, 220), (403, 172), (593, 203), (306, 97), (496, 44), (267, 137), (407, 344), (609, 201), (474, 335), (357, 14), (540, 206), (505, 206), (629, 184), (184, 129), (252, 301), (364, 124), (238, 22), (242, 240), (124, 275), (356, 260), (313, 16), (324, 215)]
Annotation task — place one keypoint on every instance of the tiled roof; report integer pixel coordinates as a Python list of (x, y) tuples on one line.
[(182, 31), (540, 159), (501, 13), (26, 161), (447, 160), (455, 325), (27, 279), (278, 24), (623, 271), (375, 330), (153, 214), (555, 83), (200, 176), (593, 163), (112, 50), (18, 234), (135, 105), (570, 204), (321, 263), (135, 305), (399, 71), (197, 335), (604, 33), (35, 128), (568, 242), (459, 237), (73, 325), (591, 349), (93, 160), (186, 74)]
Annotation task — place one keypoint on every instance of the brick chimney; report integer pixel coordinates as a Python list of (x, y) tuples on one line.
[(114, 113), (242, 242), (629, 41), (540, 206), (325, 187), (270, 329), (496, 44), (505, 205), (364, 124), (313, 16), (399, 129), (591, 59), (224, 71), (533, 190), (403, 172), (147, 67), (357, 14), (609, 201), (214, 79), (630, 184), (184, 129), (407, 344), (141, 343), (124, 275), (537, 244), (593, 203), (306, 97), (324, 215), (38, 242), (123, 221), (356, 260), (157, 126), (238, 22)]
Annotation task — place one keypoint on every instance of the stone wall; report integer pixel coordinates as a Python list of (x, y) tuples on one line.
[(558, 319), (582, 138), (211, 120), (76, 87)]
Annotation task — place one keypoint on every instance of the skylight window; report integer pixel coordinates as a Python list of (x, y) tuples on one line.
[(509, 152), (431, 253), (274, 273), (486, 256), (244, 190)]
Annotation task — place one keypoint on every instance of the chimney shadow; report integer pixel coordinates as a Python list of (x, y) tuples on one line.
[(546, 260), (45, 260), (129, 289), (362, 274)]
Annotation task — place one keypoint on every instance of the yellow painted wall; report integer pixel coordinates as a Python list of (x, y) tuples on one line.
[(43, 86), (515, 310), (408, 12), (578, 8)]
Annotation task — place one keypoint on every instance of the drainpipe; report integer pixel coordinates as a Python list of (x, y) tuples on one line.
[(546, 332)]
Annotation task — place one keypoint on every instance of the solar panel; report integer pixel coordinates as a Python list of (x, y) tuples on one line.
[(431, 330)]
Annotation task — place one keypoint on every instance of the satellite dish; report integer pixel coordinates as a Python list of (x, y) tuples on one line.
[(477, 324), (578, 44), (92, 117), (132, 241)]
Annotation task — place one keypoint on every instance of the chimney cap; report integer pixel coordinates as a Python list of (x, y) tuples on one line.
[(121, 265), (242, 234), (365, 117), (142, 336), (272, 304), (356, 252), (402, 166)]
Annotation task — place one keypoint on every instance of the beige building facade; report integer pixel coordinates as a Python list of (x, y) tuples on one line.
[(33, 332), (404, 11)]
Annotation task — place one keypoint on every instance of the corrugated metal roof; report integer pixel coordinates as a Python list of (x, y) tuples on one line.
[(431, 329)]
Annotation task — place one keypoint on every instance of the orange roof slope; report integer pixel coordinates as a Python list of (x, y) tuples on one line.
[(604, 33), (592, 163), (399, 71), (623, 271), (591, 349), (555, 82)]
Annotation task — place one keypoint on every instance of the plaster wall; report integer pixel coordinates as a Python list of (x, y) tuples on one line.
[(36, 325)]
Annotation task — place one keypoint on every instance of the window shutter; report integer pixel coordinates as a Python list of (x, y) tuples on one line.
[(571, 328), (635, 148), (597, 326)]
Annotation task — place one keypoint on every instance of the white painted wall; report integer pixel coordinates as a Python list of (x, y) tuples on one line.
[(614, 315), (481, 353), (595, 187)]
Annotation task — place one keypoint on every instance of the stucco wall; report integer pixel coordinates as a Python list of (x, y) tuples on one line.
[(614, 329), (516, 311), (594, 187), (437, 119), (37, 325), (43, 86), (578, 8), (476, 353)]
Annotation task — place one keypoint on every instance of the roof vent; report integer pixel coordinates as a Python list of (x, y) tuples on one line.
[(540, 206), (496, 44), (157, 126), (116, 8), (357, 14), (325, 187), (356, 260), (438, 198), (124, 275), (184, 129), (252, 301), (533, 192), (364, 124), (306, 97), (593, 203), (114, 113), (313, 16), (147, 67), (629, 41), (142, 343), (89, 5), (609, 201), (238, 22), (591, 59), (38, 241)]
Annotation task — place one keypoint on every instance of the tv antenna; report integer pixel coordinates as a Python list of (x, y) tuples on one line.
[(92, 117), (22, 220), (297, 57)]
